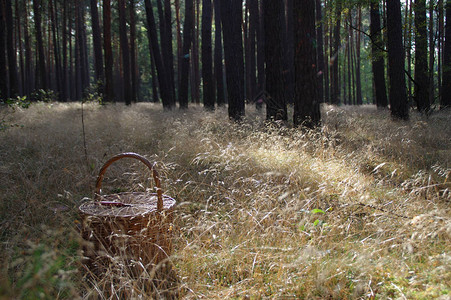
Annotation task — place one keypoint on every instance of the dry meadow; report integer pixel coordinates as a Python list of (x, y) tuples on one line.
[(358, 209)]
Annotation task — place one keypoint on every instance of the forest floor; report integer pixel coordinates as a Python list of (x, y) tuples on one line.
[(359, 208)]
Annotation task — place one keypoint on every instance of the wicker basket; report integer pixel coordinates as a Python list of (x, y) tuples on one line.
[(130, 228)]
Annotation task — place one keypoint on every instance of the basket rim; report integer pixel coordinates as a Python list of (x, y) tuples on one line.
[(168, 204)]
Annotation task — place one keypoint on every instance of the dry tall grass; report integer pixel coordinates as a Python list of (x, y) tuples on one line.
[(357, 209)]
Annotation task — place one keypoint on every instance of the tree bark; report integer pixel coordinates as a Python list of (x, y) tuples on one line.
[(109, 92), (320, 50), (358, 82), (125, 50), (446, 95), (165, 91), (397, 89), (335, 91), (42, 78), (306, 104), (134, 70), (231, 17), (187, 41), (421, 96), (274, 17), (377, 56), (97, 43), (3, 79), (207, 64), (218, 65), (12, 61)]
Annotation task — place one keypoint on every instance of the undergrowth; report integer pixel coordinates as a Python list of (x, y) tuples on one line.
[(358, 208)]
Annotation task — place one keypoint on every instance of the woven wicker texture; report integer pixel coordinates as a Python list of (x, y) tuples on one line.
[(134, 228)]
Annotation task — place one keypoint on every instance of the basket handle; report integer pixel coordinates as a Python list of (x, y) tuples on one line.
[(143, 160)]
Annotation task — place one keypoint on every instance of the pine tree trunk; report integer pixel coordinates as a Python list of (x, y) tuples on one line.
[(397, 90), (185, 59), (431, 53), (306, 104), (56, 51), (253, 29), (125, 50), (165, 90), (218, 65), (109, 92), (97, 43), (207, 64), (3, 79), (377, 57), (326, 58), (134, 72), (358, 82), (446, 95), (42, 77), (335, 92), (421, 96), (320, 50), (261, 80), (169, 55), (12, 61), (29, 78), (274, 17), (18, 27), (231, 17)]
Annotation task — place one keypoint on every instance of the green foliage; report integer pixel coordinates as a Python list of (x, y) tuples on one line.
[(43, 96), (13, 104)]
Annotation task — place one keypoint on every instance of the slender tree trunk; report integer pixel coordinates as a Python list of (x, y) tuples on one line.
[(326, 58), (42, 78), (432, 35), (97, 44), (397, 90), (64, 78), (253, 29), (289, 54), (165, 90), (421, 63), (358, 64), (377, 57), (134, 72), (320, 50), (54, 24), (18, 27), (231, 17), (218, 65), (169, 59), (29, 81), (195, 55), (78, 53), (441, 30), (207, 64), (179, 44), (12, 61), (187, 41), (125, 50), (84, 48), (306, 104), (108, 50), (446, 96), (3, 79), (154, 77), (408, 47), (261, 80), (335, 92), (274, 17)]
